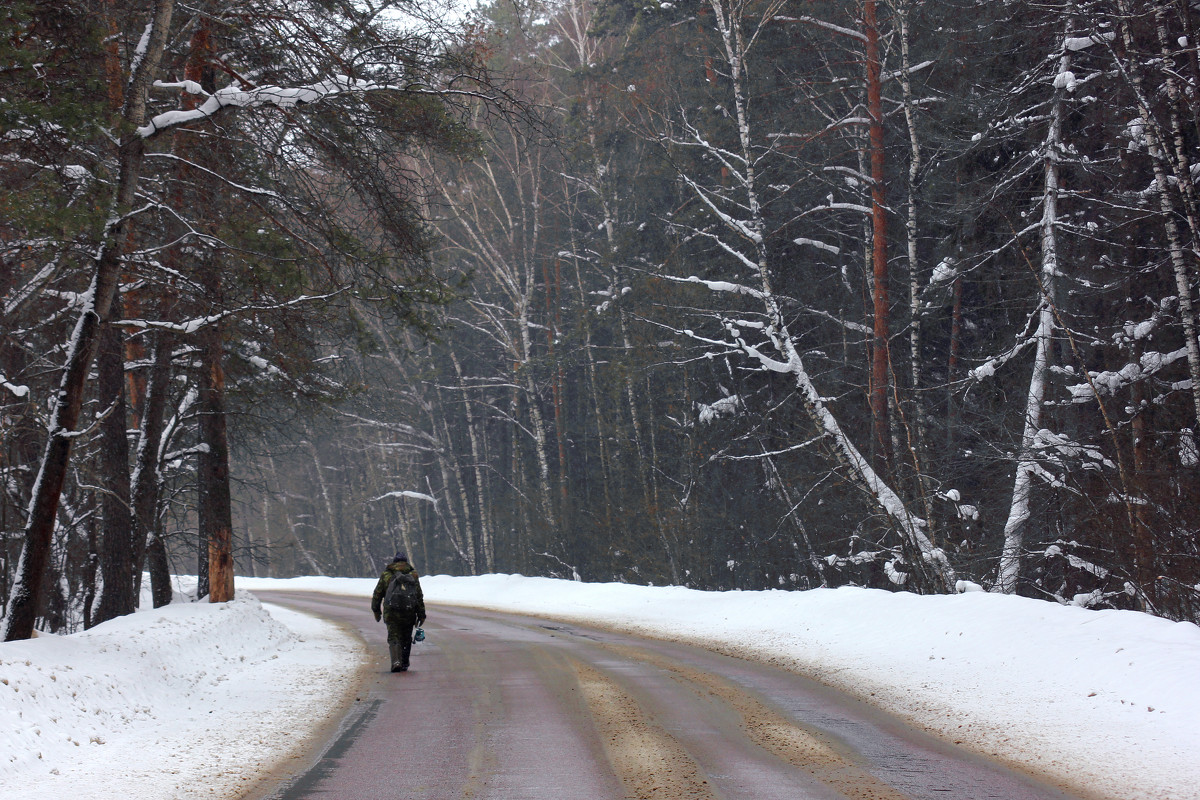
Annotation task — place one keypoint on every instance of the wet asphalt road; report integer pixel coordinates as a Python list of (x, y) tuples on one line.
[(503, 707)]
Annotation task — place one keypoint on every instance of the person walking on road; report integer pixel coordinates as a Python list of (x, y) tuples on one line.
[(400, 603)]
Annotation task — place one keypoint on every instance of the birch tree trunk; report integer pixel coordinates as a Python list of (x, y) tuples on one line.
[(1156, 145), (291, 524), (332, 524), (477, 461), (1018, 514), (460, 531)]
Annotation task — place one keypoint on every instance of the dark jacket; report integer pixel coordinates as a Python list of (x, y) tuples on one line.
[(382, 585)]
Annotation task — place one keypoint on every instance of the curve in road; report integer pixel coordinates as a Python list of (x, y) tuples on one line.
[(498, 706)]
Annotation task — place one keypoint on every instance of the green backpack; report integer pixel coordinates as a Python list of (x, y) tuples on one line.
[(402, 593)]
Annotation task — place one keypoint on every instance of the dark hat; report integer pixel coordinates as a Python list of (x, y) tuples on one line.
[(401, 556)]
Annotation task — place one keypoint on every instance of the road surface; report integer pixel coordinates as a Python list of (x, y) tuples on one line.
[(504, 707)]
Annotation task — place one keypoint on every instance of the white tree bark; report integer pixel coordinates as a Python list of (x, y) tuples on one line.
[(1018, 511), (485, 522)]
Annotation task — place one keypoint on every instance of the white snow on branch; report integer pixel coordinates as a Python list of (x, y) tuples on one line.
[(849, 206), (718, 286), (411, 495), (819, 245), (31, 288), (19, 391), (887, 76), (864, 557), (279, 96), (944, 272), (741, 227), (1110, 382), (820, 23), (1065, 80), (192, 325), (1076, 43), (725, 407), (139, 52), (1055, 447)]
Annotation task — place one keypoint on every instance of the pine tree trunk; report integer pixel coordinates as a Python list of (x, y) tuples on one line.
[(214, 502), (266, 543), (81, 350), (117, 552), (147, 480), (880, 358)]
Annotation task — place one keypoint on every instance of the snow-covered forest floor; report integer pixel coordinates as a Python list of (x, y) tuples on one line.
[(197, 700)]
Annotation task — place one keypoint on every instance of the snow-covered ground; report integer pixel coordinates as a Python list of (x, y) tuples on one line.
[(1103, 699), (194, 700)]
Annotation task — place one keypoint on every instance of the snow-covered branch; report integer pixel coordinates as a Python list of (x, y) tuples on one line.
[(717, 286), (738, 225), (405, 493), (18, 391), (283, 97), (193, 325), (820, 23)]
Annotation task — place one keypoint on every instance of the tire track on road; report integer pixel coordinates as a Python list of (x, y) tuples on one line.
[(803, 748), (650, 763)]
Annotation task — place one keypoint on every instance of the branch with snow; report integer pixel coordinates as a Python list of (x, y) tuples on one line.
[(820, 23), (282, 97), (403, 494), (1109, 382), (718, 286), (744, 228), (193, 325), (17, 390)]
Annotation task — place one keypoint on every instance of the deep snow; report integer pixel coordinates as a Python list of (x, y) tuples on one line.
[(194, 700), (143, 706)]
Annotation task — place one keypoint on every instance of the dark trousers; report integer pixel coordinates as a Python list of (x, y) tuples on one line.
[(400, 631)]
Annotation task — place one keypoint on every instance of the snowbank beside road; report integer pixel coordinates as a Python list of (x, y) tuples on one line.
[(188, 701), (1104, 699)]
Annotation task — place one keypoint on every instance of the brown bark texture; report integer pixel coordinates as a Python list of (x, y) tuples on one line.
[(879, 267), (117, 552)]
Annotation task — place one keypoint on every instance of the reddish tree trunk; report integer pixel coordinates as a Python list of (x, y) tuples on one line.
[(879, 268), (214, 512)]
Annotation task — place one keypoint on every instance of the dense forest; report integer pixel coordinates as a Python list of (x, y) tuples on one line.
[(726, 294)]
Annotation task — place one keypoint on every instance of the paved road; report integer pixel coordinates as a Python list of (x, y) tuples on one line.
[(503, 707)]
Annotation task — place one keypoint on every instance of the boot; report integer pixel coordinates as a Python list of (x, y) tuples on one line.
[(394, 652)]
